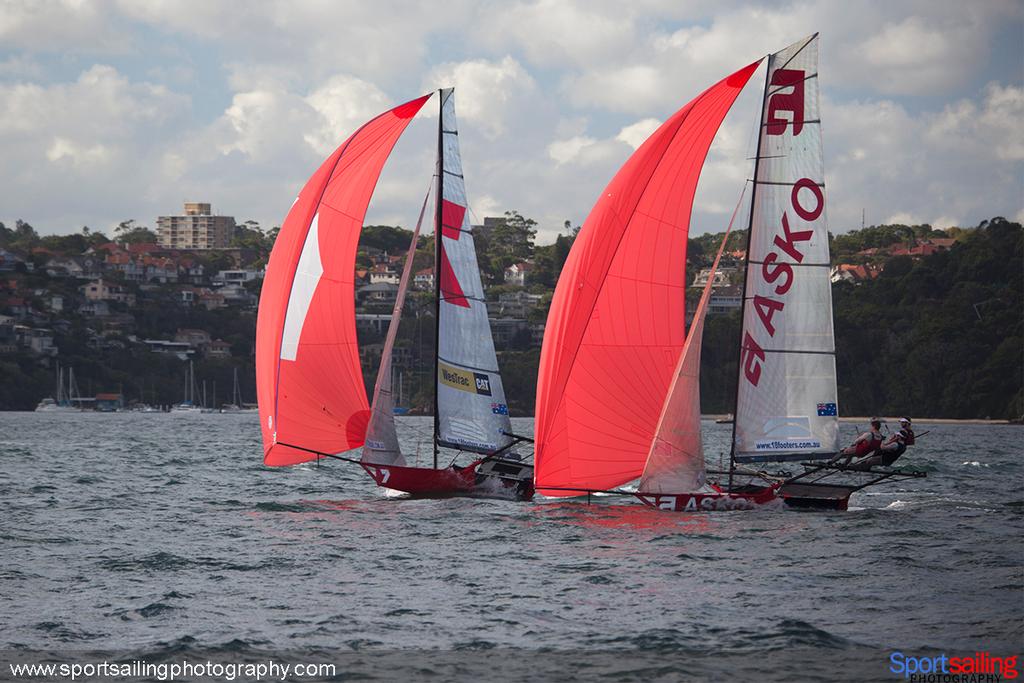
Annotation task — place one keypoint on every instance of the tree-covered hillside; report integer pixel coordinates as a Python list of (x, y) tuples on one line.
[(941, 336)]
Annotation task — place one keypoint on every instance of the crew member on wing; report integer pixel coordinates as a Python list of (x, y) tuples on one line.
[(896, 445), (866, 444)]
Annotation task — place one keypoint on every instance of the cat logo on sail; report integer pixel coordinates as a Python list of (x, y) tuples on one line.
[(463, 380)]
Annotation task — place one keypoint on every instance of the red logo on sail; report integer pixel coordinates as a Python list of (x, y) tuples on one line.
[(779, 273), (792, 101)]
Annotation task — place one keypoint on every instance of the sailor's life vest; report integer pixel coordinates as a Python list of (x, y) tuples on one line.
[(869, 445)]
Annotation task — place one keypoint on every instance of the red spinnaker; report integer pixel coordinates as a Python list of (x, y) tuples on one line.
[(308, 379), (616, 324)]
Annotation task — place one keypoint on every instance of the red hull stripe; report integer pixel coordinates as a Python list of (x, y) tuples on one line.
[(423, 481)]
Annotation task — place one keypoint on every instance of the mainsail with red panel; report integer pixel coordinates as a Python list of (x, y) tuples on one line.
[(309, 383), (470, 411), (615, 329)]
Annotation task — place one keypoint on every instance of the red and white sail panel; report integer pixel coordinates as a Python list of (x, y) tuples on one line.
[(309, 382), (675, 463), (382, 446), (616, 324), (472, 412), (786, 405)]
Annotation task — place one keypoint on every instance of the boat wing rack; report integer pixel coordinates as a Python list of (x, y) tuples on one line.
[(817, 471)]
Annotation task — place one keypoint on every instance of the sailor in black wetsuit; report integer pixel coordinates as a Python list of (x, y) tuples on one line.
[(896, 445)]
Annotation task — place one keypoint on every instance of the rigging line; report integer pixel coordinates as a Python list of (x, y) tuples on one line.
[(746, 270), (691, 338), (794, 56), (396, 311), (438, 248)]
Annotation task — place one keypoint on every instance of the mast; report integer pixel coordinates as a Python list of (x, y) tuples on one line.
[(438, 242), (746, 270)]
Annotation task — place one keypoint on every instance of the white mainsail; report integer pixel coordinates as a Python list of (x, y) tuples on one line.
[(786, 397), (471, 410), (675, 463), (381, 446)]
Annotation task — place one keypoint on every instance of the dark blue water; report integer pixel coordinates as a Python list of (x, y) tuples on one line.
[(163, 536)]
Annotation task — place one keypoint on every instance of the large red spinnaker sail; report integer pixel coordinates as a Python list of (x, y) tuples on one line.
[(616, 324), (308, 379)]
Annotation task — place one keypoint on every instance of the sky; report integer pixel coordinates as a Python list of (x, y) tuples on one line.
[(123, 109)]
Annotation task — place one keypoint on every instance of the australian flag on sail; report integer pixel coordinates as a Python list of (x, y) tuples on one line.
[(499, 409), (827, 410)]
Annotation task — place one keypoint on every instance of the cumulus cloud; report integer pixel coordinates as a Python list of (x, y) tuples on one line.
[(343, 103), (61, 26), (194, 98), (83, 149), (488, 93), (556, 32), (951, 166), (635, 133)]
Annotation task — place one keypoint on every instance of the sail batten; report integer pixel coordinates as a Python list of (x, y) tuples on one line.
[(786, 404), (309, 381), (616, 324), (472, 413)]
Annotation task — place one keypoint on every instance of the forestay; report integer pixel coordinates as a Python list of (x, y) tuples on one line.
[(675, 463), (615, 329), (786, 405), (309, 382), (382, 446), (471, 410)]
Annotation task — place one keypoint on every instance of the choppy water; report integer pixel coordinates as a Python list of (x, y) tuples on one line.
[(163, 536)]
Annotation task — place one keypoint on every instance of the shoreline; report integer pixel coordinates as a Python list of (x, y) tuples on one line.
[(707, 416), (895, 419)]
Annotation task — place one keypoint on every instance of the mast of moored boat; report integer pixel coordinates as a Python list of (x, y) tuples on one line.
[(746, 270), (438, 242)]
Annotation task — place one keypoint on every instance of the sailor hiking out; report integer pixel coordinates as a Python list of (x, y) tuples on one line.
[(896, 445), (865, 445)]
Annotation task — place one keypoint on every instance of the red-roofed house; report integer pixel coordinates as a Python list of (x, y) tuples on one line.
[(517, 273), (423, 279), (218, 348), (849, 272)]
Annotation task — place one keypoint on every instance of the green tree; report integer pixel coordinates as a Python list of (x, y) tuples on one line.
[(127, 232), (511, 242)]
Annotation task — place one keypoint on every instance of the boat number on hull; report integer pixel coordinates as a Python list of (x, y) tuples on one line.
[(380, 475), (699, 503)]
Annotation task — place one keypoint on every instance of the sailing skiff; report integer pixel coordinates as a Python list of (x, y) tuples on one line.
[(312, 400), (618, 387)]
